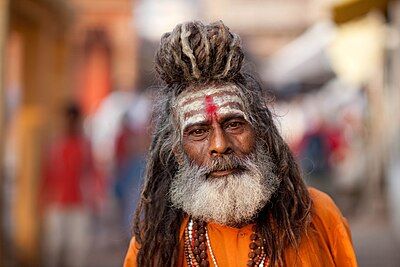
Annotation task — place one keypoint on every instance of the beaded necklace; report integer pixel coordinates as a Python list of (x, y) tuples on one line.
[(197, 241)]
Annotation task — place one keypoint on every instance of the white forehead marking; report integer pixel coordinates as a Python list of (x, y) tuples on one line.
[(194, 102), (217, 100)]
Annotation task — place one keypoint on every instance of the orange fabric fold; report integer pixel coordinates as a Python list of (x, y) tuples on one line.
[(326, 243)]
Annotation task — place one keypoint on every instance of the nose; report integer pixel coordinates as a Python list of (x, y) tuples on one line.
[(219, 144)]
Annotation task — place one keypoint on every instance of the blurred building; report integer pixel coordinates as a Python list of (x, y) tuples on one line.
[(51, 52), (34, 83), (104, 49), (267, 25)]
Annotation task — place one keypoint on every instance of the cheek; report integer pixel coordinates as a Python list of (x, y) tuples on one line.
[(196, 151), (245, 141)]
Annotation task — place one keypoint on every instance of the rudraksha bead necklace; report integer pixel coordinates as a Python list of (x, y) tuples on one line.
[(197, 241)]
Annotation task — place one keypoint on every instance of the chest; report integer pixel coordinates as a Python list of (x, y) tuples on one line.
[(230, 247)]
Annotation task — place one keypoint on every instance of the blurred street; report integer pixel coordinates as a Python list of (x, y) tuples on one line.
[(375, 243)]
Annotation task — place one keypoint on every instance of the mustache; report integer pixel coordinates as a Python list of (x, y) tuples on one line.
[(225, 162)]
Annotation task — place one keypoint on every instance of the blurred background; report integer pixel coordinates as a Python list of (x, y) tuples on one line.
[(77, 83)]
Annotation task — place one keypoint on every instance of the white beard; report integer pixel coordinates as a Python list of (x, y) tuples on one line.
[(230, 200)]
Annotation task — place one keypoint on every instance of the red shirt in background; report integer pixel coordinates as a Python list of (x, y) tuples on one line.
[(68, 169)]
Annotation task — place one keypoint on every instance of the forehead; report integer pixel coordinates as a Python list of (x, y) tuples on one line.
[(211, 102)]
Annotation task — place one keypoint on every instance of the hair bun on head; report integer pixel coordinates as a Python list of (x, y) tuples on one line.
[(195, 52)]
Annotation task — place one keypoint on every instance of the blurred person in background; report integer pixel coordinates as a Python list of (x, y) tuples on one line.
[(221, 186), (130, 148), (315, 152), (68, 192)]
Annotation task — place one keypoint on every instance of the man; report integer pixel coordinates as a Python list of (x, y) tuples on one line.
[(68, 180), (221, 186)]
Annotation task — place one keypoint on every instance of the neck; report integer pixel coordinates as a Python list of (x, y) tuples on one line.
[(197, 243), (237, 225)]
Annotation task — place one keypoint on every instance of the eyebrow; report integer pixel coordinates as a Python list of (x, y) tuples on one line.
[(231, 116), (224, 119), (193, 124)]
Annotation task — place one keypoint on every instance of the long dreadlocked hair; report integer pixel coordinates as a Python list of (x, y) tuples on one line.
[(197, 54)]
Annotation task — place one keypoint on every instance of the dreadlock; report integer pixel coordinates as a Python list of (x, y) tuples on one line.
[(192, 54)]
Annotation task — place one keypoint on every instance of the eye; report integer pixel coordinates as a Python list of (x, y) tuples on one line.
[(234, 125), (198, 133)]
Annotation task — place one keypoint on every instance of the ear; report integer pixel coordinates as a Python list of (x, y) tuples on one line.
[(178, 153)]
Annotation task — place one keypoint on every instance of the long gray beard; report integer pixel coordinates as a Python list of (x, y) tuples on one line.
[(230, 200)]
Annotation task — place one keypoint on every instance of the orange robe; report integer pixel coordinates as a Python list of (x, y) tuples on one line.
[(327, 242)]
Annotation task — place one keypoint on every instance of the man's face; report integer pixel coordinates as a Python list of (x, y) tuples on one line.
[(224, 175), (214, 123)]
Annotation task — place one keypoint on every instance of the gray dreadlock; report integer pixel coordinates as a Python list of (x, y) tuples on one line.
[(193, 52)]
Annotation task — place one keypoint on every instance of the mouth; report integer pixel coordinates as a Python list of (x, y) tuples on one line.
[(221, 173)]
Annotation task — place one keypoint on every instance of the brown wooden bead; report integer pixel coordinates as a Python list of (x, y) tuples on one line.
[(196, 252), (203, 255), (202, 246), (204, 263), (252, 254), (253, 237)]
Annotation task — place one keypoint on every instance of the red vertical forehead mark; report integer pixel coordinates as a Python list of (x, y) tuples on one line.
[(211, 108)]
